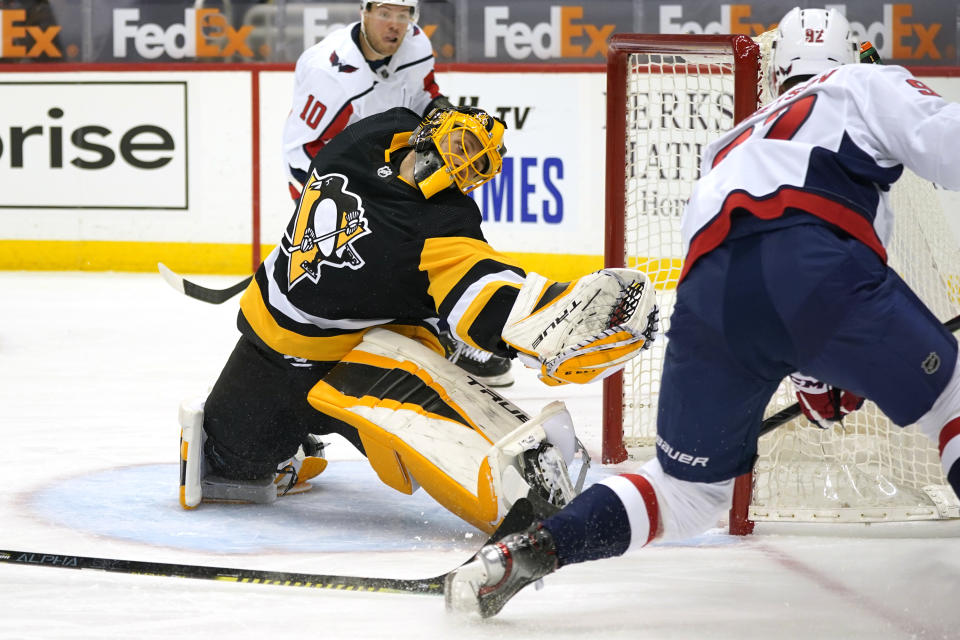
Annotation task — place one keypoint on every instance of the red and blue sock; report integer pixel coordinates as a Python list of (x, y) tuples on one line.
[(605, 520), (950, 453)]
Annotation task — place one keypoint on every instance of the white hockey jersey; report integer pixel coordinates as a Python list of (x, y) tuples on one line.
[(334, 86), (830, 147)]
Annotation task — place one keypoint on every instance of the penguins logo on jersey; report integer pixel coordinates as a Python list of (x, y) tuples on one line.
[(329, 220)]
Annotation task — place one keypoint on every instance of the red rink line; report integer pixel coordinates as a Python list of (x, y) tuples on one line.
[(913, 628)]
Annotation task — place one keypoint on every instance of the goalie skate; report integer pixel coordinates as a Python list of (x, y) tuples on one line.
[(490, 369), (293, 475), (545, 471), (498, 571)]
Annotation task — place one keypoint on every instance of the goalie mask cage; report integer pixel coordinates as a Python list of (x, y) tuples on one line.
[(667, 97)]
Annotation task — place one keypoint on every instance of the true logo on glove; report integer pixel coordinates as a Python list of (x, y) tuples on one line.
[(556, 322)]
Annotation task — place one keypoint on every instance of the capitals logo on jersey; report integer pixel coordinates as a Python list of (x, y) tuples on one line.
[(329, 220), (341, 66)]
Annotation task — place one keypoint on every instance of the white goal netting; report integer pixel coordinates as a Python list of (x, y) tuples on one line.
[(863, 470)]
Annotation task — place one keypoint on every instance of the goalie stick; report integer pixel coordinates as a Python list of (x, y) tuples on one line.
[(520, 516), (198, 292), (219, 296), (786, 415)]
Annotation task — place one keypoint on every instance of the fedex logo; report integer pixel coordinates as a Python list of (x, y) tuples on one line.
[(896, 36), (19, 41), (198, 37), (564, 36), (733, 19)]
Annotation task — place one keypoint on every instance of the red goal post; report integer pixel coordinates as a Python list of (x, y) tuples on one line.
[(734, 55)]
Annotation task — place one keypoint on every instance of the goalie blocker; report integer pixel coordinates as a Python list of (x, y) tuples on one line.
[(424, 422), (585, 330)]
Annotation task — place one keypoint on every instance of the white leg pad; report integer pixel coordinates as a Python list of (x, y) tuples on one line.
[(192, 437), (424, 420)]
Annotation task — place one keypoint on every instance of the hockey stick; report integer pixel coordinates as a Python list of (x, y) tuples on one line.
[(520, 516), (786, 415), (198, 292), (254, 576), (219, 296)]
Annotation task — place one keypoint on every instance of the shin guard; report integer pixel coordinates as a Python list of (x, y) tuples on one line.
[(425, 423)]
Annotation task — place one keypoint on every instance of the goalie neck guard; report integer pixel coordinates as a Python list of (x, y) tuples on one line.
[(807, 43), (462, 147)]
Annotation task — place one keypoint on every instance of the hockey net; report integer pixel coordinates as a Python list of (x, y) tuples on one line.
[(667, 97)]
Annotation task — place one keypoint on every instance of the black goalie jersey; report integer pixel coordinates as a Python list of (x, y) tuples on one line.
[(365, 249)]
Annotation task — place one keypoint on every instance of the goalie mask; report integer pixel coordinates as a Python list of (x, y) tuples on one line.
[(807, 43), (462, 147)]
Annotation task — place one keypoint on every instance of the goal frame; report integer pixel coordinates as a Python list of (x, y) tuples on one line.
[(746, 63)]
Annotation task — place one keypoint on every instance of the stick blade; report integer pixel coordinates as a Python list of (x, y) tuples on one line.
[(199, 292), (170, 277)]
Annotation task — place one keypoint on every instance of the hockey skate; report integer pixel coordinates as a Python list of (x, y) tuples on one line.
[(293, 475), (198, 483), (490, 369), (498, 571)]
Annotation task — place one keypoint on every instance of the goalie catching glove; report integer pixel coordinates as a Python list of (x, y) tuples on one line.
[(583, 330), (821, 403)]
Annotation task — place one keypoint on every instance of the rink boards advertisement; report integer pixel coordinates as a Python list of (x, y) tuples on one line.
[(120, 170), (476, 31), (548, 198), (99, 157)]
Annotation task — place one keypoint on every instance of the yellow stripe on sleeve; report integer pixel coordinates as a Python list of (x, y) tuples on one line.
[(448, 260)]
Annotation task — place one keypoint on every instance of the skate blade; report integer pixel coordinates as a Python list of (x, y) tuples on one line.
[(461, 587), (225, 501), (299, 488)]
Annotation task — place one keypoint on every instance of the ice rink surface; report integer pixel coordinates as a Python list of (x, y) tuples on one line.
[(92, 369)]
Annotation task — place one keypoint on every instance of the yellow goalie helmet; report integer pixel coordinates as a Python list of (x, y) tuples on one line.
[(462, 147)]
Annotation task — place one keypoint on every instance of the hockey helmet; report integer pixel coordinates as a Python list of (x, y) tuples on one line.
[(414, 5), (461, 146), (808, 42)]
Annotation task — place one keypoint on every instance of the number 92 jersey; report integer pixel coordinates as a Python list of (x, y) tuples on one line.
[(826, 151)]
